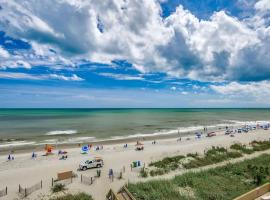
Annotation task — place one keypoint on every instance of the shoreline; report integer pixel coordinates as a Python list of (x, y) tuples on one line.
[(25, 145), (20, 149)]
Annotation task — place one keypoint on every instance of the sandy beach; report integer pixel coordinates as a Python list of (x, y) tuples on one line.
[(27, 172)]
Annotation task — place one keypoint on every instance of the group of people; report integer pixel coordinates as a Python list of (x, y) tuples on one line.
[(10, 157)]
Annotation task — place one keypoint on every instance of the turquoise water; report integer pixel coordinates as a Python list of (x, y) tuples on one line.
[(44, 124)]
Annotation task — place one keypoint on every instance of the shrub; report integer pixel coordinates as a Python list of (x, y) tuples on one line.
[(79, 196), (166, 161), (221, 183), (58, 187), (193, 155), (241, 148), (212, 156), (234, 154), (260, 145), (143, 173), (157, 172)]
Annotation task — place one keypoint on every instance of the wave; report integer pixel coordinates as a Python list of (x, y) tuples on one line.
[(250, 123), (181, 130), (17, 143), (62, 132)]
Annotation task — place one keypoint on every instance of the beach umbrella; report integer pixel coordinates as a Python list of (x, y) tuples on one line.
[(85, 149)]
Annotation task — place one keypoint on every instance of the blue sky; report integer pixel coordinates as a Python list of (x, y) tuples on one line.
[(140, 53)]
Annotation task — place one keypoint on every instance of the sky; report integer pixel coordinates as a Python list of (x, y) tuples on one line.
[(134, 53)]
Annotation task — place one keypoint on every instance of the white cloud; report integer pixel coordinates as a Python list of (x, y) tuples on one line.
[(263, 5), (3, 53), (220, 48), (24, 76), (15, 75), (121, 76), (74, 77), (257, 93), (173, 88)]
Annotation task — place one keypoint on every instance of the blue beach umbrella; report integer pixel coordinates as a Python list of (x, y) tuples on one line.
[(85, 149)]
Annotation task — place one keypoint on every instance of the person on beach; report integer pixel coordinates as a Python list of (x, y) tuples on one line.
[(34, 155), (111, 174)]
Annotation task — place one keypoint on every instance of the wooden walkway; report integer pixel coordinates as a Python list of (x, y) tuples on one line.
[(123, 194)]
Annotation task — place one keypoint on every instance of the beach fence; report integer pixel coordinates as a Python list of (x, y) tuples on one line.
[(87, 180), (28, 190), (116, 174), (64, 178), (3, 192)]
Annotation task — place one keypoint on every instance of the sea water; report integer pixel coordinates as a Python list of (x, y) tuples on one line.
[(38, 126)]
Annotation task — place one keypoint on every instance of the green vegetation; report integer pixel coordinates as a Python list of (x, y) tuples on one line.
[(58, 187), (260, 145), (193, 155), (165, 165), (212, 156), (221, 183), (167, 162), (242, 148), (143, 173), (79, 196)]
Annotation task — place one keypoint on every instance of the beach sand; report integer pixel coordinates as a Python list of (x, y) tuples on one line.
[(27, 172)]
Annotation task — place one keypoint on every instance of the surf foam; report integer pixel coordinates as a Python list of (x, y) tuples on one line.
[(62, 132)]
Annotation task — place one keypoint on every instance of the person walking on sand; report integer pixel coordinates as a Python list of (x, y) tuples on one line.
[(111, 174)]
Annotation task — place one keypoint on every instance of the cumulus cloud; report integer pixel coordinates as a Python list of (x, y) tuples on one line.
[(263, 5), (243, 88), (220, 48)]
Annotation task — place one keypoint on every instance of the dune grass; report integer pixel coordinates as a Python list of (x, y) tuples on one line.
[(260, 145), (242, 148), (58, 188), (79, 196), (221, 183), (165, 165), (212, 156)]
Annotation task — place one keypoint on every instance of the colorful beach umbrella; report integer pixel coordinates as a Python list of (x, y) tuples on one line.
[(85, 149)]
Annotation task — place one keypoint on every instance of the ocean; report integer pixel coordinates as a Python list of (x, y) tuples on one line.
[(38, 126)]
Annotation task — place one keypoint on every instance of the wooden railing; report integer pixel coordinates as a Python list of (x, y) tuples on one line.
[(122, 192), (28, 190), (87, 180), (111, 195), (128, 193), (257, 192)]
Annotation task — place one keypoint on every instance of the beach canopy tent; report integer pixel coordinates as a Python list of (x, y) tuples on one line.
[(48, 148)]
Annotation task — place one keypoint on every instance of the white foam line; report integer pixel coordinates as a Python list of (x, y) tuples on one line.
[(19, 143), (62, 132)]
